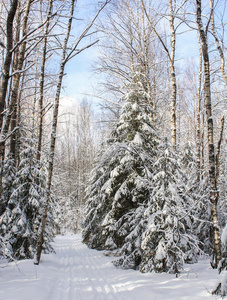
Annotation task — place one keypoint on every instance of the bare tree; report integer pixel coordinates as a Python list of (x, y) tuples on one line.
[(171, 57), (41, 83)]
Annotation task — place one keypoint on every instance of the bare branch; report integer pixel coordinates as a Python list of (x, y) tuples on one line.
[(84, 33)]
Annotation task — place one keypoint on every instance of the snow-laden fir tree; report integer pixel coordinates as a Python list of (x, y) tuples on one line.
[(7, 189), (119, 186), (131, 253), (9, 172), (168, 240), (20, 221)]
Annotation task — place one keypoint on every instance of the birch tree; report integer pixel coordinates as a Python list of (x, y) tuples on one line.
[(210, 134), (173, 10), (198, 121), (42, 81)]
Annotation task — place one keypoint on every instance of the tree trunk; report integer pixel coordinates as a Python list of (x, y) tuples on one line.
[(171, 57), (217, 163), (41, 85), (5, 79), (210, 133), (173, 77), (13, 124), (8, 59), (198, 125), (14, 93)]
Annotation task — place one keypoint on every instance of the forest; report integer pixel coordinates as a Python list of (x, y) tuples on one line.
[(139, 164)]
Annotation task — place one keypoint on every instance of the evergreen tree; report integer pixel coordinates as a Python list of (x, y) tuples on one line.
[(120, 182), (168, 240), (7, 189), (21, 219), (7, 182), (131, 253)]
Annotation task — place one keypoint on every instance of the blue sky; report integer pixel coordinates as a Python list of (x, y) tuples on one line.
[(79, 79)]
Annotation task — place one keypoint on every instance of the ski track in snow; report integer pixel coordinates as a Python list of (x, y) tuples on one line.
[(78, 273)]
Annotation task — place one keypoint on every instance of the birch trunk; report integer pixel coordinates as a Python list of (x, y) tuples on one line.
[(41, 85), (198, 125), (173, 77), (210, 133), (217, 162), (171, 57)]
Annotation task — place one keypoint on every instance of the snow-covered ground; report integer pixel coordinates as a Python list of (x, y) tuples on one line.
[(78, 273)]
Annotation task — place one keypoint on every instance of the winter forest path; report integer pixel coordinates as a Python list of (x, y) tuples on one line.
[(78, 273), (81, 273)]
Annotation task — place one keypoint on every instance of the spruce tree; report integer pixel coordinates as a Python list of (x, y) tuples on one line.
[(119, 186), (168, 240), (9, 172), (20, 221)]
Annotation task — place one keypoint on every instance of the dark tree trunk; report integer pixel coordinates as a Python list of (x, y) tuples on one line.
[(8, 58)]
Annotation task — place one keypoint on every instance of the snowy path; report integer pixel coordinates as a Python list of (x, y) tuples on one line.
[(78, 273)]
